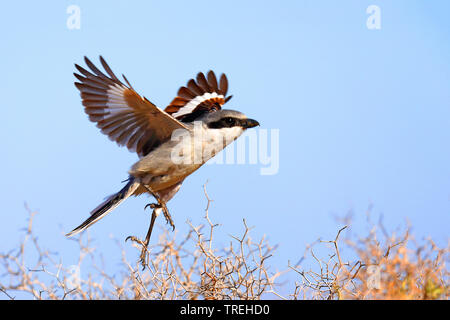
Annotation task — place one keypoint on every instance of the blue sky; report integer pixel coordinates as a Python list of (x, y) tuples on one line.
[(363, 115)]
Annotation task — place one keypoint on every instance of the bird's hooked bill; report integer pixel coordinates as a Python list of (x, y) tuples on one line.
[(250, 123)]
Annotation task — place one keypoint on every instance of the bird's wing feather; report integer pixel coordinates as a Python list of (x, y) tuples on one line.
[(121, 113), (204, 94)]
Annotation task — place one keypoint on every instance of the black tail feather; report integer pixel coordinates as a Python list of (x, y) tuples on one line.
[(107, 206)]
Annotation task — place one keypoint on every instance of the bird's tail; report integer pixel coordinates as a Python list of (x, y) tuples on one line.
[(107, 206)]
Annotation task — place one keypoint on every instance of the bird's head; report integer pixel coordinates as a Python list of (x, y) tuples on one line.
[(228, 119), (232, 123)]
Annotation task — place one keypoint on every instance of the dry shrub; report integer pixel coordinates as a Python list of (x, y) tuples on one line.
[(194, 268), (393, 268), (190, 268), (401, 269)]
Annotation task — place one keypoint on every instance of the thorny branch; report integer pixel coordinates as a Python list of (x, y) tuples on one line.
[(194, 268)]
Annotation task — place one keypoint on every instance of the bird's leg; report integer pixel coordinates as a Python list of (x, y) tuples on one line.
[(144, 244), (161, 204), (157, 208)]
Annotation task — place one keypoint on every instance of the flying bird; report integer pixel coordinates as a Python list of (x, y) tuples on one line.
[(133, 121)]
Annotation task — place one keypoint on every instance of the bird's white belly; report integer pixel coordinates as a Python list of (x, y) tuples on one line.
[(176, 159)]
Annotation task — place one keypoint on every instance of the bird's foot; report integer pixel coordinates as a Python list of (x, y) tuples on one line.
[(161, 205), (143, 245)]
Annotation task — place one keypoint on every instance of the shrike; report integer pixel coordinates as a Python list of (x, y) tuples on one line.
[(133, 121)]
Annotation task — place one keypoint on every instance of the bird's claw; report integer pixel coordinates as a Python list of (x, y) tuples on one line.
[(168, 218), (162, 206), (143, 255), (151, 205), (134, 239)]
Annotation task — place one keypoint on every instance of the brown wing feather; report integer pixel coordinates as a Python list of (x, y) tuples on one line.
[(212, 81), (223, 85), (120, 112), (202, 82), (203, 95)]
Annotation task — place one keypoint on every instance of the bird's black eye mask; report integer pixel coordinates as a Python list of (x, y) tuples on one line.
[(227, 122), (191, 117), (199, 111)]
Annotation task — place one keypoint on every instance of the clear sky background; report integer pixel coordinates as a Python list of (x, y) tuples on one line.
[(364, 115)]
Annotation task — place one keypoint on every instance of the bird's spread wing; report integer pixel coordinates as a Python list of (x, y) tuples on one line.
[(204, 95), (122, 114)]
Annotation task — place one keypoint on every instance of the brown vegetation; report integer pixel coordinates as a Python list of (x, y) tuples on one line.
[(194, 268)]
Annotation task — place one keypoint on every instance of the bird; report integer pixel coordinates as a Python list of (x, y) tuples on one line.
[(165, 159)]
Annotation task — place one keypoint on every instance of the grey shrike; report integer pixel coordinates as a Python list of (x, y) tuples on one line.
[(133, 121)]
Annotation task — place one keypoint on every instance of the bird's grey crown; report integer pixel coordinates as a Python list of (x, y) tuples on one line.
[(220, 114)]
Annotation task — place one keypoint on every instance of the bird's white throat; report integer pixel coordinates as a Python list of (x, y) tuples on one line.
[(202, 143)]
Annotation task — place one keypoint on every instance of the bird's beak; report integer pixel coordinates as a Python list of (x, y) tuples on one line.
[(250, 123)]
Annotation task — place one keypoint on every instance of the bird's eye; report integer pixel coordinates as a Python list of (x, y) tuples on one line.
[(229, 120)]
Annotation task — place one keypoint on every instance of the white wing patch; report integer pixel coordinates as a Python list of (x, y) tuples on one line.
[(116, 101), (191, 105)]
